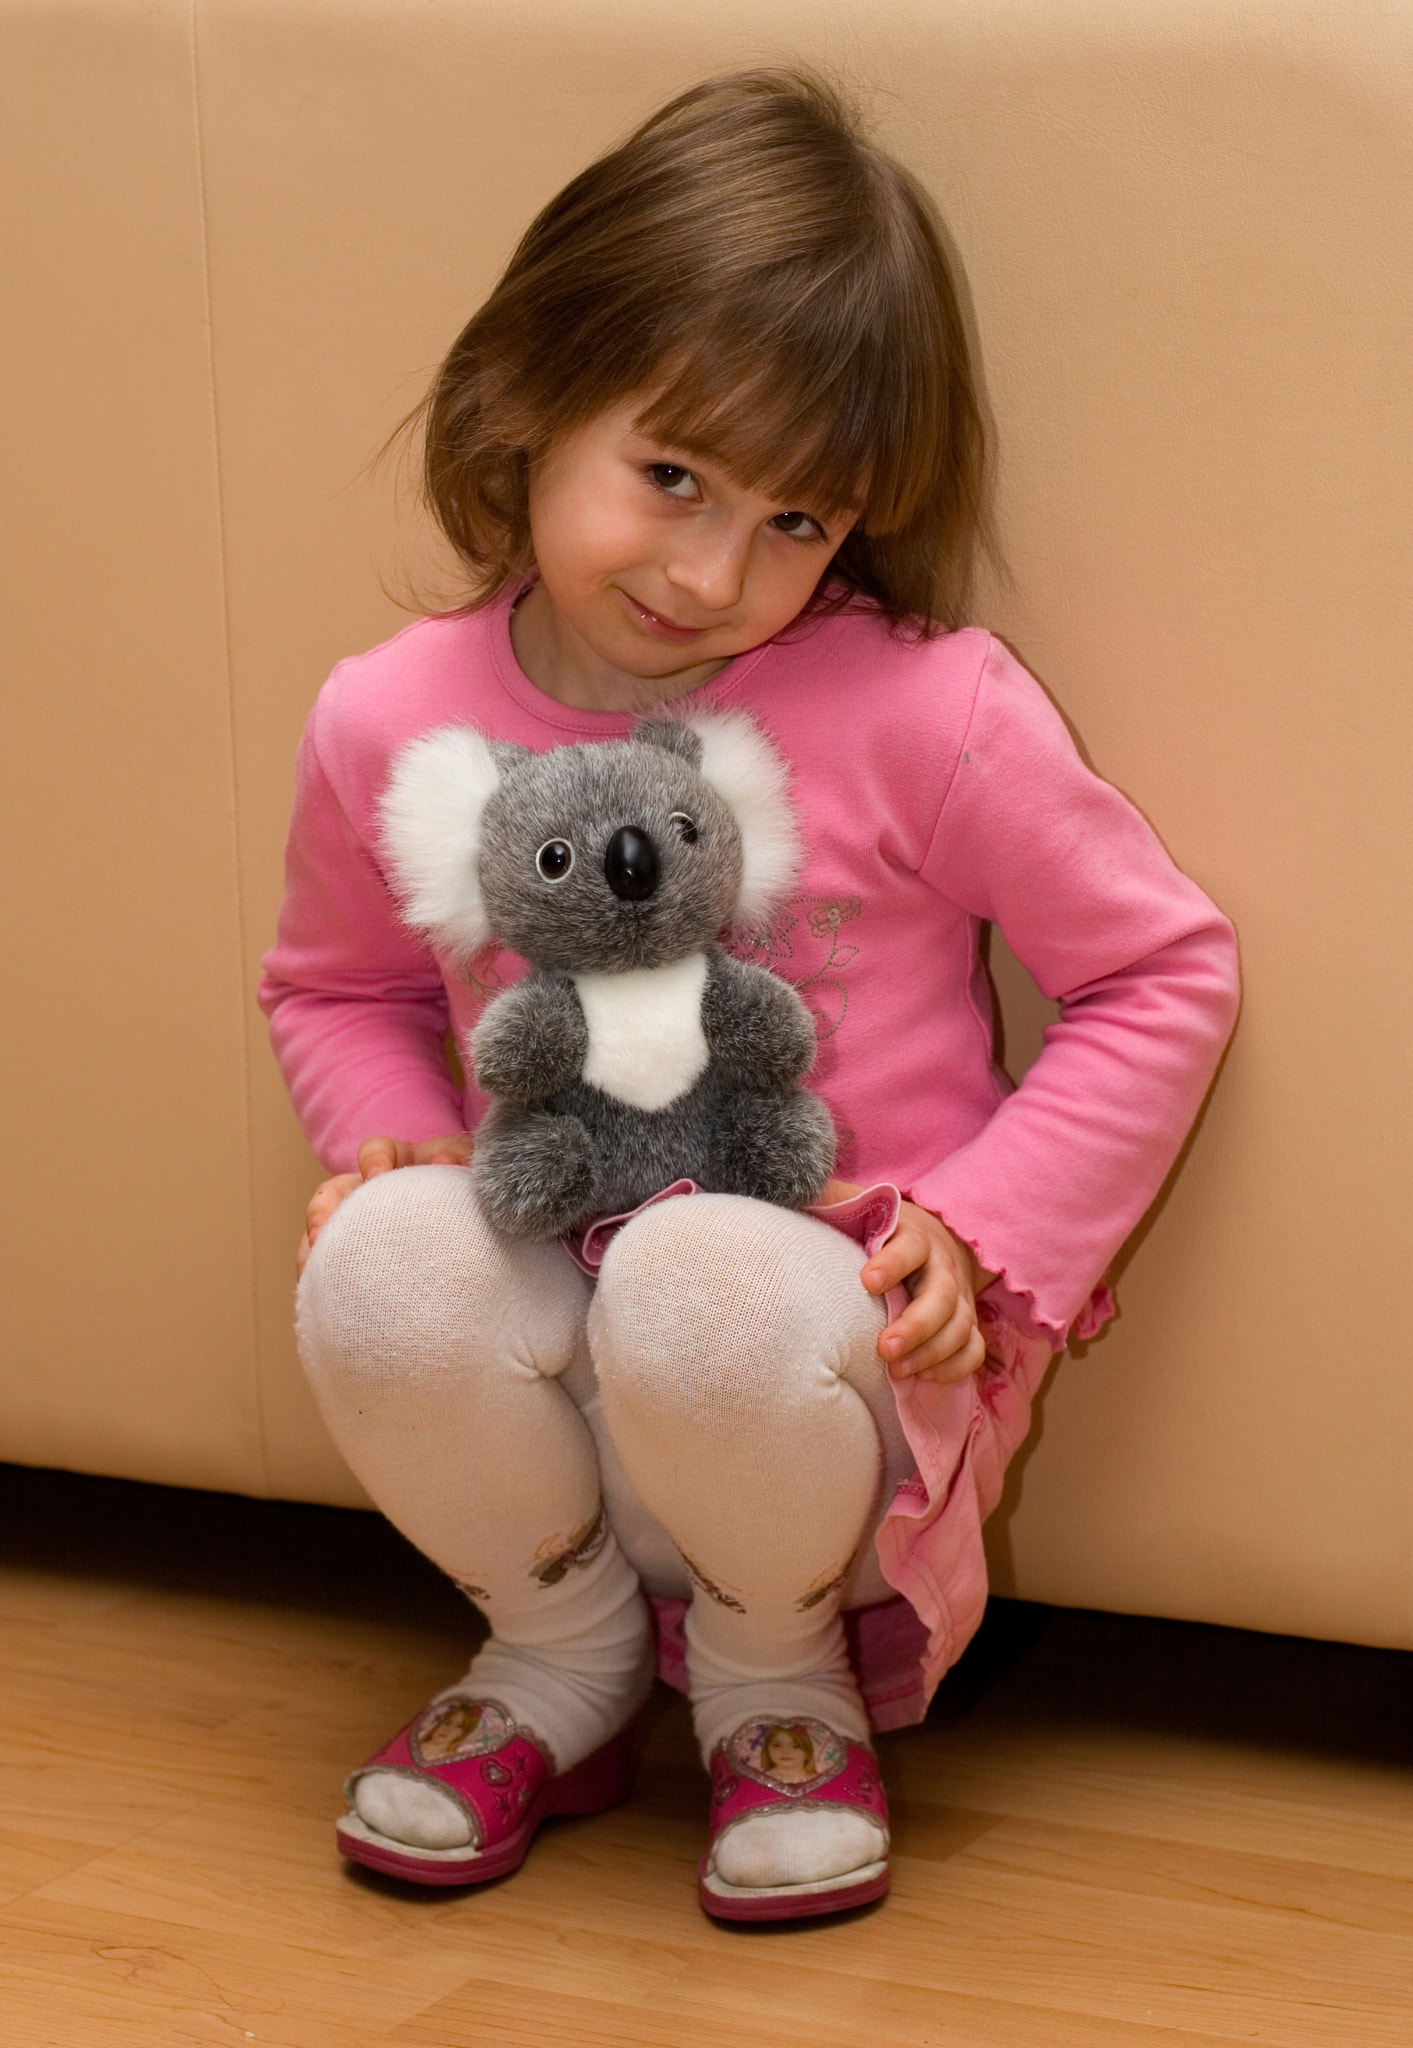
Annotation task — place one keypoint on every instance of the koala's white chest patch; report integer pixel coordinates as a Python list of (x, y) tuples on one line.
[(646, 1043)]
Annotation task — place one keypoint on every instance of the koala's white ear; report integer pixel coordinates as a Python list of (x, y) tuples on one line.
[(431, 816), (751, 779)]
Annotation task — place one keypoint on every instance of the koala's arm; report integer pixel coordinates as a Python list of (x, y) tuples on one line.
[(757, 1027), (532, 1041)]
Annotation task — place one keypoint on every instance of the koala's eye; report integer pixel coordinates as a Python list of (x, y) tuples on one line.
[(684, 827), (554, 859)]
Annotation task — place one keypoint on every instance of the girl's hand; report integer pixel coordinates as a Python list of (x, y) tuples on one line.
[(375, 1156), (936, 1337)]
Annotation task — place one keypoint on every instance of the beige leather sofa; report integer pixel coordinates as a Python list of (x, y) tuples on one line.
[(237, 236)]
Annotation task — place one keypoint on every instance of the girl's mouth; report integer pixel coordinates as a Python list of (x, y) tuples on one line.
[(662, 629)]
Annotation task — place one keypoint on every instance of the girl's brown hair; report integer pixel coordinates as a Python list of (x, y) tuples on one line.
[(781, 290)]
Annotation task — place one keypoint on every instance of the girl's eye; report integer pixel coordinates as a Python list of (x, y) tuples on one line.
[(798, 525), (554, 859), (684, 827), (671, 478)]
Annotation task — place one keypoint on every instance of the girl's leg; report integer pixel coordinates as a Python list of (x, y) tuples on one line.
[(434, 1346), (736, 1360)]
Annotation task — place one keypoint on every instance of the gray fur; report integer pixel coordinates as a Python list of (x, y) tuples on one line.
[(532, 1040), (775, 1144), (556, 1150), (678, 739), (532, 1167), (759, 1031), (583, 795)]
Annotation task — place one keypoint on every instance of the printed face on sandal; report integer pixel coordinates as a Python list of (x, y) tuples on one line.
[(787, 1755), (456, 1728)]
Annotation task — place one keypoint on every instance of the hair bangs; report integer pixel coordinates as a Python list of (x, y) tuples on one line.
[(824, 430)]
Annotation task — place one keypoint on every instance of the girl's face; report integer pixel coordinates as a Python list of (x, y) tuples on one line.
[(655, 567), (456, 1726), (785, 1754)]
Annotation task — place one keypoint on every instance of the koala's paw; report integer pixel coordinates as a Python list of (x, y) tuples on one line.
[(535, 1175), (531, 1040), (775, 1145), (757, 1026)]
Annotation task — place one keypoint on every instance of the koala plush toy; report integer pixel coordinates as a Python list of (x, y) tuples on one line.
[(637, 1052)]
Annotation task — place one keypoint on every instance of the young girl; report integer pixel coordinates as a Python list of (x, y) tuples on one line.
[(713, 442)]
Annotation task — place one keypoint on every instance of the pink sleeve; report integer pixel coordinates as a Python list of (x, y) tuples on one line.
[(1144, 968), (357, 1011)]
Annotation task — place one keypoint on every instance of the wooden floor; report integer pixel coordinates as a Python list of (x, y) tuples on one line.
[(1111, 1833)]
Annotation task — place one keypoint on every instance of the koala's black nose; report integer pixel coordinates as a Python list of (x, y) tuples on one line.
[(631, 865)]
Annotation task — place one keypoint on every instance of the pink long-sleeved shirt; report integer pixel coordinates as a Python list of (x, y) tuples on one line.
[(936, 788)]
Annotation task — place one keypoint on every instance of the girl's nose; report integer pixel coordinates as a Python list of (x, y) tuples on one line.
[(711, 569)]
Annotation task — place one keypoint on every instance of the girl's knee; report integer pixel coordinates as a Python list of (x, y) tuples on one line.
[(712, 1286), (407, 1278), (412, 1206), (363, 1252)]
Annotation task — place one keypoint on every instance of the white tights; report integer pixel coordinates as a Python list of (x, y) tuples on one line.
[(713, 1414)]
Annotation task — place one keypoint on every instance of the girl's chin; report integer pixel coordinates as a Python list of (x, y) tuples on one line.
[(647, 659)]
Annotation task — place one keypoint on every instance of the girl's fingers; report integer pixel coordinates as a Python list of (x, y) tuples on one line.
[(940, 1331), (906, 1250), (322, 1204), (385, 1155), (450, 1151), (959, 1367), (936, 1334), (378, 1155), (935, 1300), (942, 1335), (913, 1327), (942, 1361), (327, 1196)]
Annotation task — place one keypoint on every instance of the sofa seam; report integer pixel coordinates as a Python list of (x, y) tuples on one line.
[(233, 776)]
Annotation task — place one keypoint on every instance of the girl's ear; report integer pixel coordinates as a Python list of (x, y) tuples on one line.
[(753, 782), (431, 814)]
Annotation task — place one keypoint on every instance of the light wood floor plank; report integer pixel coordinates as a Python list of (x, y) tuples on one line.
[(1340, 1814), (1159, 1869), (95, 1966), (1110, 1834)]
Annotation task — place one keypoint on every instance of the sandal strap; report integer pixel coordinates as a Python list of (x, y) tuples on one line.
[(473, 1749), (790, 1764)]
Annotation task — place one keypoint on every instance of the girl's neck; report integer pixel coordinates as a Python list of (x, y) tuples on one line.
[(561, 664)]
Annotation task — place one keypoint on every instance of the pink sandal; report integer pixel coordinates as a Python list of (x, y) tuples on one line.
[(770, 1767), (500, 1777)]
